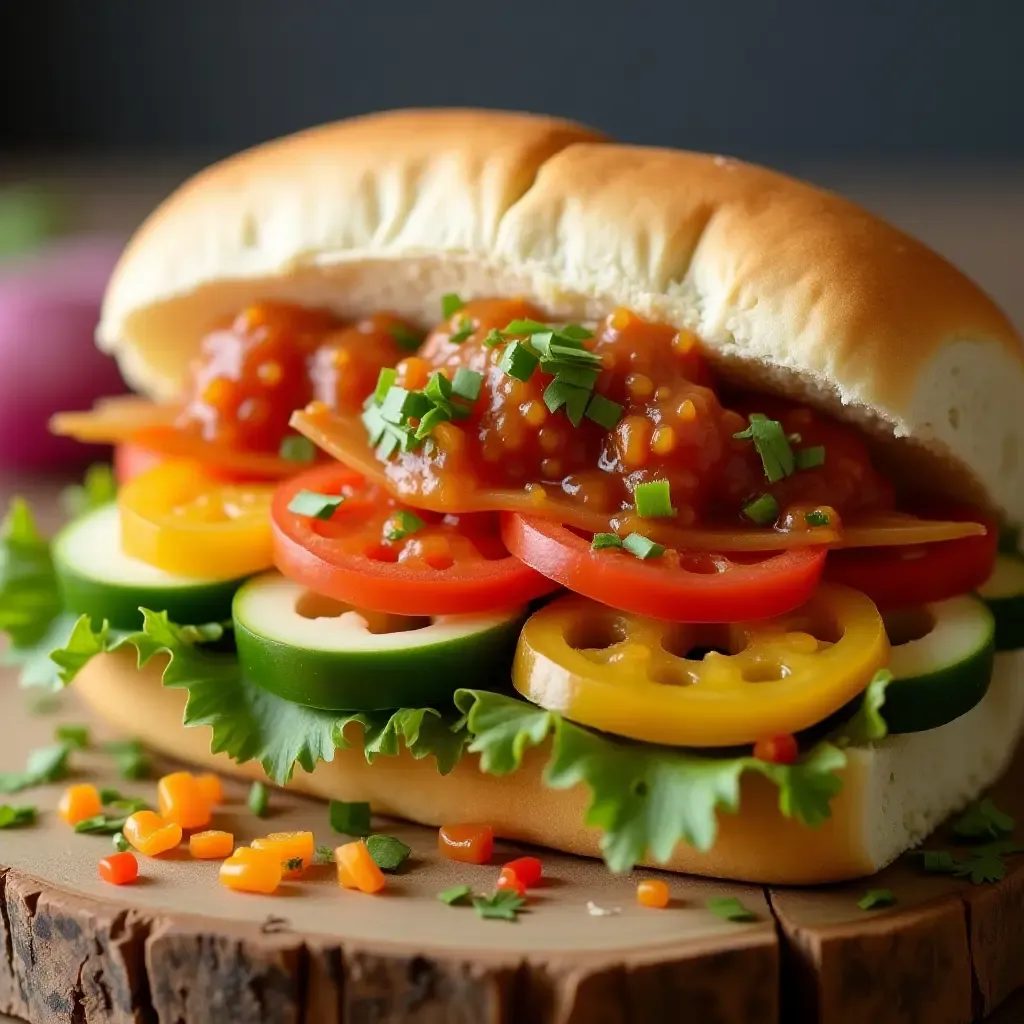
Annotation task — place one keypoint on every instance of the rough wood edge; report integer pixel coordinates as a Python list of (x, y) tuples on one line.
[(72, 959)]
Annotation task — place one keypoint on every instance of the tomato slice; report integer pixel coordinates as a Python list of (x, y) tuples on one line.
[(903, 576), (658, 682), (181, 520), (680, 586), (452, 565)]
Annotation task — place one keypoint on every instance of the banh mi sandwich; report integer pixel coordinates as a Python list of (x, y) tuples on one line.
[(641, 504)]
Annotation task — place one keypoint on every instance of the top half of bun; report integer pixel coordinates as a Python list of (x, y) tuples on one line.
[(788, 287)]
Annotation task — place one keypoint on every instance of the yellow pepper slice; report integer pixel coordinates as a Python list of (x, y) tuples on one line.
[(631, 676), (181, 520)]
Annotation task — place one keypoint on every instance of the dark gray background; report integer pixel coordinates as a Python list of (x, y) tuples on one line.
[(904, 80)]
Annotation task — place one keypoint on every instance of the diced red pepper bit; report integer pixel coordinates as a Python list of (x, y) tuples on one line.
[(470, 844), (529, 870), (508, 879), (119, 868), (781, 749)]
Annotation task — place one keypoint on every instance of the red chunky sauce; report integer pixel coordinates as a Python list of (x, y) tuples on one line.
[(273, 359), (677, 422)]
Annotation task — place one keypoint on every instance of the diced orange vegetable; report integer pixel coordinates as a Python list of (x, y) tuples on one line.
[(508, 879), (781, 749), (357, 869), (211, 788), (289, 847), (79, 802), (652, 893), (212, 845), (471, 844), (249, 870), (529, 870), (119, 868), (180, 799), (150, 834)]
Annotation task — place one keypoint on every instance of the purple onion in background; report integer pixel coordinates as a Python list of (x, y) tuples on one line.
[(49, 308)]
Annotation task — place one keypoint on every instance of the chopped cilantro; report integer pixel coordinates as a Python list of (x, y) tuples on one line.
[(809, 458), (293, 864), (102, 824), (876, 898), (762, 510), (465, 329), (407, 337), (654, 500), (402, 523), (605, 540), (17, 817), (983, 821), (296, 448), (604, 412), (466, 384), (450, 305), (817, 518), (642, 547), (456, 894), (729, 908), (314, 505), (74, 737), (502, 905), (324, 855)]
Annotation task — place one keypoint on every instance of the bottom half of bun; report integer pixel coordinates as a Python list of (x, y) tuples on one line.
[(894, 792)]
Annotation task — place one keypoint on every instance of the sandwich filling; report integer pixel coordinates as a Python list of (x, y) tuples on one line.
[(508, 532)]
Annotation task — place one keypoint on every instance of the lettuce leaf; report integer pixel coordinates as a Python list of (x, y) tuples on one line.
[(99, 488), (647, 798), (250, 724), (29, 595)]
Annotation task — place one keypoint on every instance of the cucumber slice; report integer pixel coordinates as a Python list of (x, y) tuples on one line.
[(945, 666), (98, 579), (318, 652), (1003, 592)]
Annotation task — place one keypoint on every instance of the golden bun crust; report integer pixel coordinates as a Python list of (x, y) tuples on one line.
[(893, 795), (787, 286)]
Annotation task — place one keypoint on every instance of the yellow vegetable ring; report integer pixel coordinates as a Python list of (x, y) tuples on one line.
[(181, 520), (632, 676)]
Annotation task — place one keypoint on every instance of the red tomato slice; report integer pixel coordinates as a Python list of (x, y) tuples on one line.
[(452, 565), (681, 586), (901, 577)]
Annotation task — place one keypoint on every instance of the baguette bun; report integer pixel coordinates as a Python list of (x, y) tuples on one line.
[(894, 793), (788, 287)]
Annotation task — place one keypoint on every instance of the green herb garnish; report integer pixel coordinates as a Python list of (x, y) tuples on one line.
[(119, 842), (296, 448), (406, 336), (314, 505), (44, 765), (385, 382), (293, 864), (817, 518), (430, 420), (259, 799), (350, 819), (605, 540), (403, 523), (456, 894), (466, 384), (102, 825), (324, 855), (74, 737), (575, 399), (450, 305), (465, 329), (494, 338), (772, 445), (17, 817), (875, 898), (130, 756), (983, 821), (654, 500), (388, 853), (762, 510), (643, 547), (501, 905), (810, 458), (729, 908), (604, 412), (519, 361), (400, 405)]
